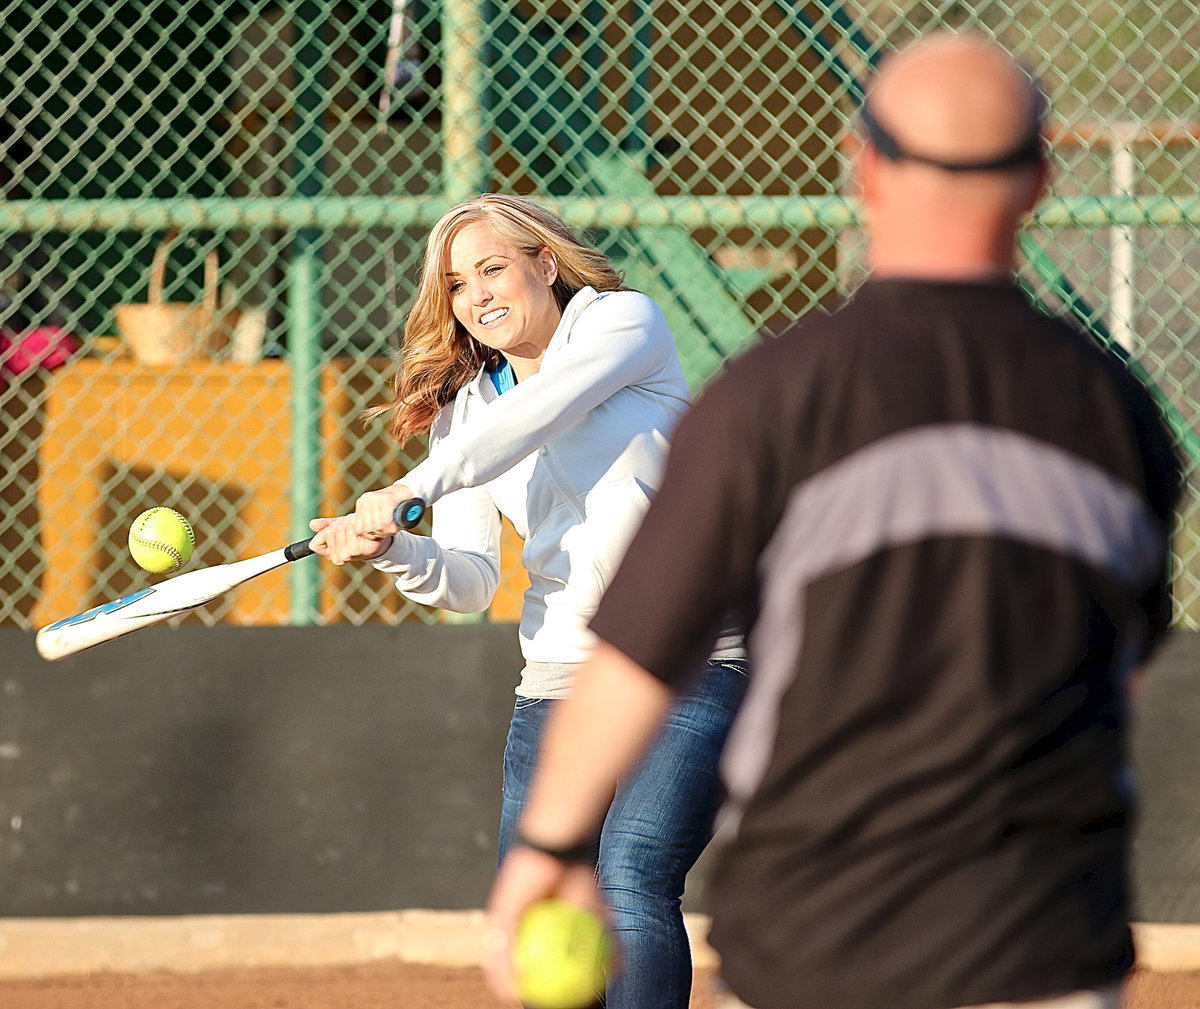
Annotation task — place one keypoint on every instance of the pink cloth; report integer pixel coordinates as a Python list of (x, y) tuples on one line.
[(42, 347)]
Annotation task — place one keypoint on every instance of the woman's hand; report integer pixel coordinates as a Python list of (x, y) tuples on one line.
[(339, 540), (374, 512), (365, 534)]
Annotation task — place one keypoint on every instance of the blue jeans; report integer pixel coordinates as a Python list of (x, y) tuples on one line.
[(659, 822)]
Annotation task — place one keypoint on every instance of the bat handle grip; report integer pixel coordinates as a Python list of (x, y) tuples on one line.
[(407, 514)]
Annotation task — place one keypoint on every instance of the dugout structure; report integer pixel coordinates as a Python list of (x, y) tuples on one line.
[(704, 143)]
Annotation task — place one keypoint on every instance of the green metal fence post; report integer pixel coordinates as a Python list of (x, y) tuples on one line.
[(304, 303), (464, 157)]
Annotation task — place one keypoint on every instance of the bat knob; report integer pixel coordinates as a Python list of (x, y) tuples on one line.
[(298, 551), (409, 513)]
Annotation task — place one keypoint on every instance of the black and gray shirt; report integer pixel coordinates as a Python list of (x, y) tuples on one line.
[(950, 516)]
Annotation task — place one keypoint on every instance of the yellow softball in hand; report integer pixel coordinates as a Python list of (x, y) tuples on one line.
[(561, 955), (161, 540)]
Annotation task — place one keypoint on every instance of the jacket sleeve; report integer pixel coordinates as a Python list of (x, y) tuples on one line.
[(457, 567), (618, 341)]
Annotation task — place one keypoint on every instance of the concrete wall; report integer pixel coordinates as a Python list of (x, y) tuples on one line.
[(1166, 755), (275, 770), (230, 770)]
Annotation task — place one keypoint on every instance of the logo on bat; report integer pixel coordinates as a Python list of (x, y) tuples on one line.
[(95, 611)]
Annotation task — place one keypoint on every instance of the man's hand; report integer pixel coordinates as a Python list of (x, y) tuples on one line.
[(526, 877)]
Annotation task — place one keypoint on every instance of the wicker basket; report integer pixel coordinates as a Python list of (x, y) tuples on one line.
[(164, 333)]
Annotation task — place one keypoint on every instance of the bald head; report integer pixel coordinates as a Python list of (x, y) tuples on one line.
[(954, 158), (957, 101)]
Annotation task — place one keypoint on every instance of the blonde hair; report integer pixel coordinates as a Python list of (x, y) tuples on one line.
[(440, 356)]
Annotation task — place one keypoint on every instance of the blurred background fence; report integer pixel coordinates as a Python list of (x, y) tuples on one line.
[(265, 174)]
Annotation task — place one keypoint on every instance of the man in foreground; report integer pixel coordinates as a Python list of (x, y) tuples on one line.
[(950, 516)]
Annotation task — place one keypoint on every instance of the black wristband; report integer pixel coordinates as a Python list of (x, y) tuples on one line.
[(583, 853)]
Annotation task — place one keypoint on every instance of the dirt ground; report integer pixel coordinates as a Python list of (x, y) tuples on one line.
[(388, 985)]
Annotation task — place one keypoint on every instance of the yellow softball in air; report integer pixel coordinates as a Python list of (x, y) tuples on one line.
[(161, 540)]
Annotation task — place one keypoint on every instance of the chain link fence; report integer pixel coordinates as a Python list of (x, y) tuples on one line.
[(262, 176)]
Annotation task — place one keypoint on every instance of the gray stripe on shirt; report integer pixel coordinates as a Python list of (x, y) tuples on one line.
[(927, 482)]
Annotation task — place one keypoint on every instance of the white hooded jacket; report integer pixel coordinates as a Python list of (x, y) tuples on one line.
[(571, 456)]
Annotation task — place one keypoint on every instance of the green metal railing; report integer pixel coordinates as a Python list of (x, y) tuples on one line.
[(611, 212), (702, 143)]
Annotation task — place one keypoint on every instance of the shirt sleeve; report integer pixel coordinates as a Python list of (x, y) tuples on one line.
[(694, 557), (618, 341)]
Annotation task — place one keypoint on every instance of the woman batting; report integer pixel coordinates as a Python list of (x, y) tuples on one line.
[(550, 391)]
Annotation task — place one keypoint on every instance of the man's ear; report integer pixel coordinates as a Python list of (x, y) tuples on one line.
[(1040, 184), (866, 174)]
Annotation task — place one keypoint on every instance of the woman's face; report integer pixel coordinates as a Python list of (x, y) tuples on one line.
[(501, 296)]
